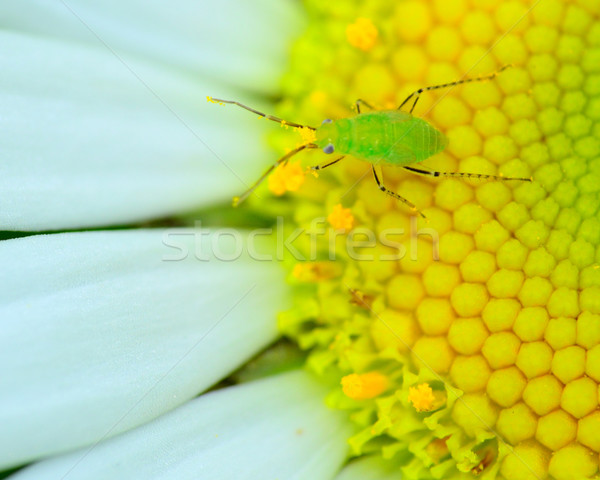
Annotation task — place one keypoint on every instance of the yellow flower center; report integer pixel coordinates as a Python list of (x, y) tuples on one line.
[(477, 333)]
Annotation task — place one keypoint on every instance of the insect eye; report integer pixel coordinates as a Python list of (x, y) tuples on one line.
[(329, 148), (327, 120)]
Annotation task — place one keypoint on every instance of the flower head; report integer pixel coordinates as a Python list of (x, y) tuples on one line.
[(494, 301)]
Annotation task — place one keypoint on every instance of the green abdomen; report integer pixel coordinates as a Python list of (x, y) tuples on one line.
[(392, 137)]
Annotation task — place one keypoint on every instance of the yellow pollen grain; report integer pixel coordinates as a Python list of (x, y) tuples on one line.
[(364, 386), (362, 34), (341, 218), (308, 134), (421, 397), (211, 100), (286, 178)]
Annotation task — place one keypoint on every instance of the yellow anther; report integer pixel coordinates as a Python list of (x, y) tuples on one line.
[(437, 449), (365, 385), (361, 299), (421, 397), (316, 271), (286, 178), (362, 34), (341, 218)]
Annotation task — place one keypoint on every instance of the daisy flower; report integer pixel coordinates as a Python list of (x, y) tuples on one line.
[(465, 345)]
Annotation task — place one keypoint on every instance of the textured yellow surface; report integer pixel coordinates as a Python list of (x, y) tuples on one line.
[(506, 322)]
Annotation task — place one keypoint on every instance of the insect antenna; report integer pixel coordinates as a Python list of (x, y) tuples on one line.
[(282, 160), (260, 114)]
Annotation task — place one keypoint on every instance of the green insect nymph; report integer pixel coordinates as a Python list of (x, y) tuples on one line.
[(385, 137)]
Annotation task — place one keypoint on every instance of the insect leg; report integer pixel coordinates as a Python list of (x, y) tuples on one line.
[(394, 194), (361, 101), (464, 175), (417, 93), (325, 165), (282, 160), (260, 114)]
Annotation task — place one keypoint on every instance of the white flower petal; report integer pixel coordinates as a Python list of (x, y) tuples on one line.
[(371, 468), (276, 428), (241, 43), (99, 333), (94, 137)]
